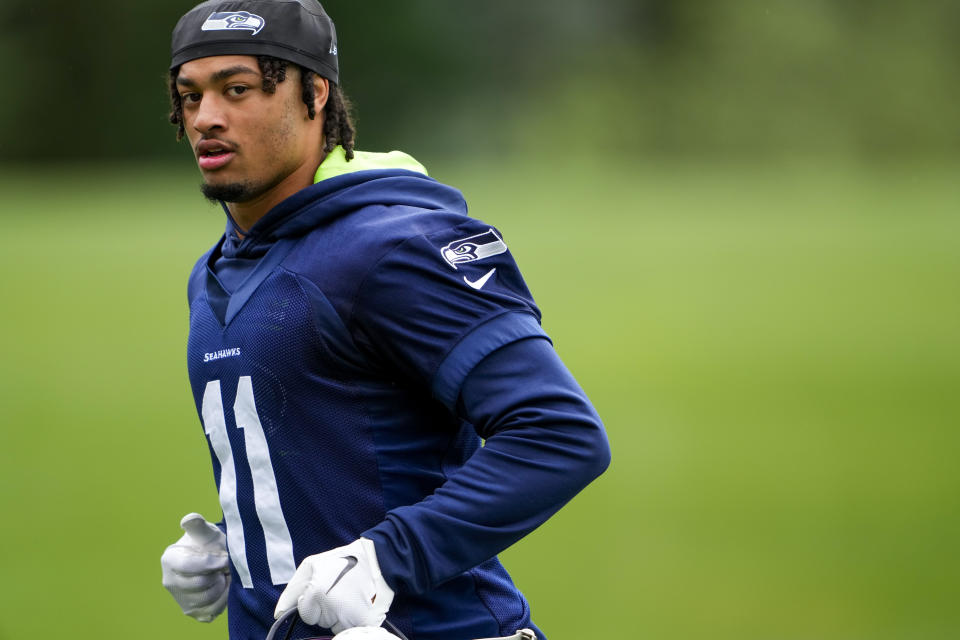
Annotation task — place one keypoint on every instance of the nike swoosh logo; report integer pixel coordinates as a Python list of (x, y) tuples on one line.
[(351, 563), (478, 284)]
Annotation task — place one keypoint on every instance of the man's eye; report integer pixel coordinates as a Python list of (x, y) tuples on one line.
[(237, 90), (190, 98)]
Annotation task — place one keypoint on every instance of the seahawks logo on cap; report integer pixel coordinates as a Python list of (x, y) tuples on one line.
[(476, 247), (230, 20)]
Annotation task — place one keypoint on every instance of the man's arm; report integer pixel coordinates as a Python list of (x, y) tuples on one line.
[(469, 334), (544, 443)]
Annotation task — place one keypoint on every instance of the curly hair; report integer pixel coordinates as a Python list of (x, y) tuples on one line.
[(338, 128)]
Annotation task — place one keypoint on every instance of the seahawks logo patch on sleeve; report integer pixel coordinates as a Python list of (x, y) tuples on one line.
[(474, 248)]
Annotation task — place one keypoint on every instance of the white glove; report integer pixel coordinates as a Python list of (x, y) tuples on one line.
[(339, 589), (196, 569)]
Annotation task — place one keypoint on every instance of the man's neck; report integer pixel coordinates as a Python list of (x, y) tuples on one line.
[(246, 214)]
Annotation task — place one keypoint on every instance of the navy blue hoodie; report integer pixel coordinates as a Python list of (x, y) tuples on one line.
[(368, 361)]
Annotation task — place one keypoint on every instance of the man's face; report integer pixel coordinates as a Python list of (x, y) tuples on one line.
[(246, 141)]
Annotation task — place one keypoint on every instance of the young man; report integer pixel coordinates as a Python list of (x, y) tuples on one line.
[(353, 337)]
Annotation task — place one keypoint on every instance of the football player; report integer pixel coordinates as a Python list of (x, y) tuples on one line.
[(354, 339)]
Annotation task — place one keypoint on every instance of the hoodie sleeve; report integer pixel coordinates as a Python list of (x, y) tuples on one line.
[(452, 311), (431, 292), (544, 443)]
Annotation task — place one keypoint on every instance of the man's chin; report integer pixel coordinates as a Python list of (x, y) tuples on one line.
[(230, 191)]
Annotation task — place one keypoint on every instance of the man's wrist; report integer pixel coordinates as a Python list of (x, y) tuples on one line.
[(384, 555)]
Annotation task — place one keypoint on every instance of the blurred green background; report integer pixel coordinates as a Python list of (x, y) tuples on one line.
[(739, 218)]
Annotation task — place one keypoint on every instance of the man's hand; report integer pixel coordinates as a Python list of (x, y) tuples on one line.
[(196, 569), (339, 589)]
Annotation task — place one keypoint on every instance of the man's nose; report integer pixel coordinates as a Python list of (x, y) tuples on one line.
[(210, 115)]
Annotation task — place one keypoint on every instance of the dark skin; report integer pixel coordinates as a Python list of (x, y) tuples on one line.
[(260, 147)]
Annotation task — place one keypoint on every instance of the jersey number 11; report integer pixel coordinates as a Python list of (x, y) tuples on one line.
[(265, 494)]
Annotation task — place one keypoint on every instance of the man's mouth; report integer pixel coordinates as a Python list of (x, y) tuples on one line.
[(212, 154)]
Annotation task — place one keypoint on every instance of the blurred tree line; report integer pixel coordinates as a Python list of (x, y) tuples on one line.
[(639, 77)]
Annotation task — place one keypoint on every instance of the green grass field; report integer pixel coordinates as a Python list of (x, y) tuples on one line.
[(774, 349)]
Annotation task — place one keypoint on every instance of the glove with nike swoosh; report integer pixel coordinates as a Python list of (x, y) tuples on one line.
[(339, 589)]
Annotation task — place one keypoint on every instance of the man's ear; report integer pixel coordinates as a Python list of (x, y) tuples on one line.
[(321, 89)]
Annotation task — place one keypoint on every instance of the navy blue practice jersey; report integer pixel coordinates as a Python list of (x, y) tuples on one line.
[(327, 352)]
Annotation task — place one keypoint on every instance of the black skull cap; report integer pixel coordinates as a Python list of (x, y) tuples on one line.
[(299, 31)]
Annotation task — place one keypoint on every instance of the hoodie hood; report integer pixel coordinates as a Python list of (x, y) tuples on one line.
[(341, 187)]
